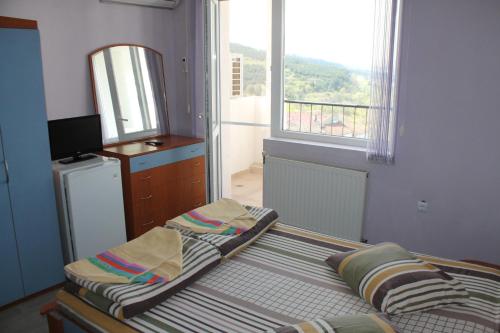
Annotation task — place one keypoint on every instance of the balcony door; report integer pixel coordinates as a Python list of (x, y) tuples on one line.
[(212, 52), (238, 97)]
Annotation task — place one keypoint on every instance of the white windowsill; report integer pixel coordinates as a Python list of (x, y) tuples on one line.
[(319, 144)]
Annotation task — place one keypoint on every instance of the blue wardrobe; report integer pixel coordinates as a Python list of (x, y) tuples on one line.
[(30, 247)]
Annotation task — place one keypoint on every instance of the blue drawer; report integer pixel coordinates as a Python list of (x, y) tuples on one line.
[(154, 160)]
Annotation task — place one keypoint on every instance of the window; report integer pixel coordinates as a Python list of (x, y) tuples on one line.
[(322, 88)]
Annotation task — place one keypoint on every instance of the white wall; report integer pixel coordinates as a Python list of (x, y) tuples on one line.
[(242, 145), (71, 29)]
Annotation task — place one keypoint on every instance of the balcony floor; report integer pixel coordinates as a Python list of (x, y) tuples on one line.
[(247, 187)]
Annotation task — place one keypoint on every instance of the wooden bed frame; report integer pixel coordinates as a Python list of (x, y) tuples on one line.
[(54, 318)]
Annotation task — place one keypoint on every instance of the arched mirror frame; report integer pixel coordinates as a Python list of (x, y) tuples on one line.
[(94, 92)]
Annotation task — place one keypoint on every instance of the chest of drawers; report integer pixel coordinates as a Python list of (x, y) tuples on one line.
[(161, 182)]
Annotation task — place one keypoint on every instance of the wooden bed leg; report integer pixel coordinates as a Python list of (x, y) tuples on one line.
[(54, 319), (55, 322)]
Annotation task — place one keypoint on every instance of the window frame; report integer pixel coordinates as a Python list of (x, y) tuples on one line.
[(278, 88)]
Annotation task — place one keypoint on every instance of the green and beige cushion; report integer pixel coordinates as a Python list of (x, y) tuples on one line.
[(395, 281), (372, 323)]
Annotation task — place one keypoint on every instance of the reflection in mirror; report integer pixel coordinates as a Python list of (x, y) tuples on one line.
[(129, 92)]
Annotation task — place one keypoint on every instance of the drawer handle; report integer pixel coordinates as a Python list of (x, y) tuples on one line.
[(150, 222), (146, 178), (196, 182), (197, 164), (194, 150), (147, 198), (142, 163)]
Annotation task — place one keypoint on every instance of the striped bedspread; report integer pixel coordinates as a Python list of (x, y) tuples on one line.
[(282, 279)]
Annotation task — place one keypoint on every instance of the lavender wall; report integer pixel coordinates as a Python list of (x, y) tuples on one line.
[(448, 153), (70, 29), (448, 149)]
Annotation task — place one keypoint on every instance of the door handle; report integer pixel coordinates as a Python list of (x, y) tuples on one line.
[(5, 164), (6, 167)]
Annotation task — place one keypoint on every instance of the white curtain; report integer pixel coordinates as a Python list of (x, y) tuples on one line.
[(382, 112)]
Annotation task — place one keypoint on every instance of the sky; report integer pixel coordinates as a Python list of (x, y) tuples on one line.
[(339, 31)]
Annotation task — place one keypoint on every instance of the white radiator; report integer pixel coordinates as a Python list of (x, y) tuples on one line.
[(316, 197)]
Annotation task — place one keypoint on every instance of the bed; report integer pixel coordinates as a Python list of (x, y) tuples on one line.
[(282, 279)]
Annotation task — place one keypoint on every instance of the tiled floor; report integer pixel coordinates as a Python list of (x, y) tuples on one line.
[(246, 187), (25, 317)]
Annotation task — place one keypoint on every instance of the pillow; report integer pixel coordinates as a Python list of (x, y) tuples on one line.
[(395, 281), (366, 323)]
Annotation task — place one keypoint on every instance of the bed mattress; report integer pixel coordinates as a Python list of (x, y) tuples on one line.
[(282, 279)]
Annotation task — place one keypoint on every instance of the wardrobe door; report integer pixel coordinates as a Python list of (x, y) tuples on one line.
[(26, 148), (11, 287)]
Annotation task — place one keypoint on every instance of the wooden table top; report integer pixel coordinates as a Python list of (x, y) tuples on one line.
[(138, 147)]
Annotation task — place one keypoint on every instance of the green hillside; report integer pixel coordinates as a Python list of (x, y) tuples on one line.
[(306, 79)]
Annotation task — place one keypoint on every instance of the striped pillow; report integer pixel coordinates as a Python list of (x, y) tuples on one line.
[(373, 323), (395, 281)]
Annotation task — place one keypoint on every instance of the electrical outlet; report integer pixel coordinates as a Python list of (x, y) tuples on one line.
[(422, 206)]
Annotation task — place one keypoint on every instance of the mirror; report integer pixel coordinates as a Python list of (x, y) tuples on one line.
[(129, 92)]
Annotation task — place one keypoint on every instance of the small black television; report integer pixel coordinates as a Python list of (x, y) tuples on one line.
[(73, 138)]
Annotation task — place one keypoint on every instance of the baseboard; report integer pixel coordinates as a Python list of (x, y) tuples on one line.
[(26, 298)]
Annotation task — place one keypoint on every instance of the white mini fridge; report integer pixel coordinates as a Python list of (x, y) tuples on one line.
[(90, 205)]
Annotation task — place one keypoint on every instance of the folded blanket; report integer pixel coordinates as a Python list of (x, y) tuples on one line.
[(230, 245), (128, 300), (154, 257), (224, 217)]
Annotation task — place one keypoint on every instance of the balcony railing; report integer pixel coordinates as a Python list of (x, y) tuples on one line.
[(330, 119)]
